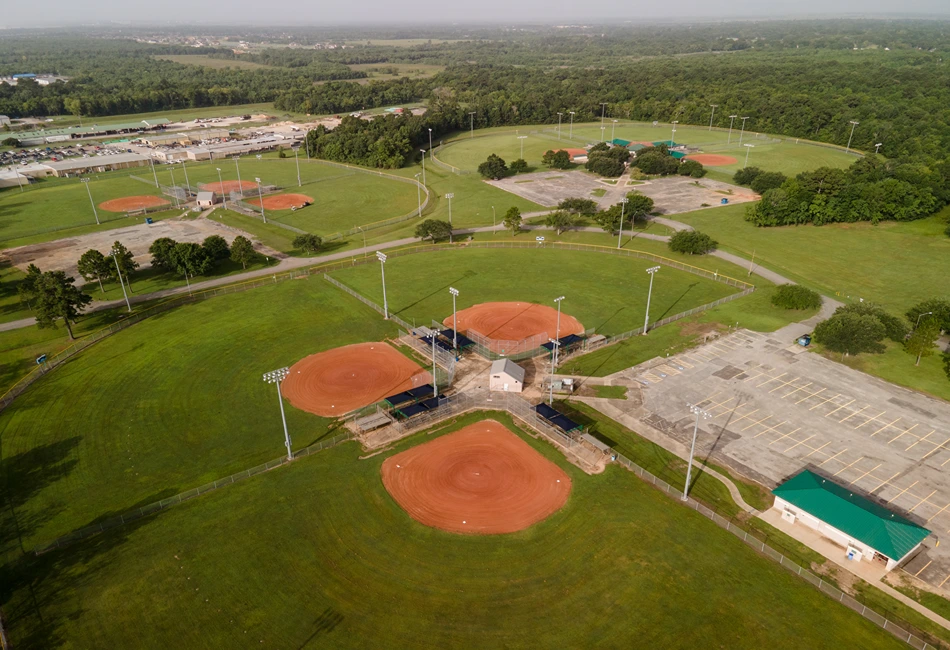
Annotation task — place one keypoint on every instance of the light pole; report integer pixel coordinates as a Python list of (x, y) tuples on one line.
[(623, 204), (742, 132), (121, 284), (175, 188), (85, 181), (297, 160), (16, 173), (877, 147), (714, 107), (471, 117), (749, 147), (570, 133), (450, 196), (700, 413), (732, 120), (603, 136), (187, 182), (559, 125), (853, 123), (646, 319), (151, 162), (435, 380), (382, 267), (493, 219), (224, 195), (613, 130), (423, 166), (556, 344), (915, 328), (418, 194), (522, 138), (673, 135), (240, 185), (260, 197), (603, 112), (455, 336), (557, 327), (275, 377), (430, 139)]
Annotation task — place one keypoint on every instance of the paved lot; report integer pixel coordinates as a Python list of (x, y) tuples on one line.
[(777, 409), (672, 195)]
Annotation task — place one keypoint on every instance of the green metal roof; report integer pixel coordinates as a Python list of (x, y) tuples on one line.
[(668, 143), (636, 147), (679, 155), (619, 142), (883, 530)]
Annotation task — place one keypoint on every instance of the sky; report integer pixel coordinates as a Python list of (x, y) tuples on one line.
[(333, 12)]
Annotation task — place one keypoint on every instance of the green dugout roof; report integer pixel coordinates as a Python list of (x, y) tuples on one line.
[(883, 530), (620, 143), (679, 155), (668, 143)]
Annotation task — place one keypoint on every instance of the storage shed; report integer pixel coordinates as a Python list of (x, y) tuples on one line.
[(506, 375)]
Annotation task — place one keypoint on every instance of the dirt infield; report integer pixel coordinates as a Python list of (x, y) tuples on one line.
[(514, 321), (712, 159), (282, 201), (482, 479), (343, 379), (228, 186), (130, 203)]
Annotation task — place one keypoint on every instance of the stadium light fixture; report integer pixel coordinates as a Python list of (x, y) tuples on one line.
[(493, 221), (430, 139), (382, 265), (646, 319), (297, 160), (260, 197), (623, 204), (187, 182), (275, 377), (699, 413), (522, 138), (85, 181), (613, 130), (603, 136), (732, 120), (450, 196), (877, 147), (749, 147), (175, 187), (557, 330), (435, 376), (423, 166), (455, 325), (570, 134), (559, 125), (853, 123), (557, 345), (238, 168), (714, 107), (603, 112), (418, 195), (115, 259), (224, 194), (16, 172), (151, 162), (742, 132), (673, 135), (471, 118)]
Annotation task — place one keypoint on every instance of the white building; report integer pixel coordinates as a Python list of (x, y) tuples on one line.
[(506, 375), (4, 120), (207, 199)]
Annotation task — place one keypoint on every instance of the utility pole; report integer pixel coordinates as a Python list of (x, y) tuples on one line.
[(689, 465), (646, 319), (455, 325), (240, 185), (673, 135), (559, 125), (297, 160), (187, 182), (877, 147), (570, 134), (382, 267), (853, 123), (603, 112), (556, 344), (276, 377), (613, 130), (471, 117), (714, 106), (450, 196), (418, 194), (260, 197), (522, 139), (742, 132), (85, 181), (424, 167), (175, 188), (732, 120), (749, 148), (430, 139), (435, 380), (122, 284), (623, 204), (224, 195), (154, 175)]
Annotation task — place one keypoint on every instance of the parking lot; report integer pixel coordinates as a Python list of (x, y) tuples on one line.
[(775, 409)]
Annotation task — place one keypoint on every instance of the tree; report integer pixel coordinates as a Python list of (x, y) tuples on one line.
[(795, 296), (190, 259), (851, 333), (746, 175), (561, 220), (434, 229), (493, 168), (692, 168), (161, 250), (26, 289), (559, 159), (692, 242), (939, 309), (57, 297), (921, 340), (10, 142), (242, 250), (894, 328), (604, 166), (574, 205), (518, 166), (638, 206), (512, 220), (767, 181), (216, 247), (308, 242), (93, 265), (126, 262)]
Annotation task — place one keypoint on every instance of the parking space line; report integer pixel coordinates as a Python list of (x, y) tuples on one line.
[(945, 462), (800, 442), (848, 417), (849, 465), (884, 427), (786, 395), (785, 383), (708, 397), (825, 401), (838, 409), (814, 450), (922, 501), (832, 457), (920, 440), (770, 380), (936, 449), (783, 437), (907, 430), (922, 570), (718, 404), (938, 512), (811, 395), (743, 417), (866, 473), (771, 429), (886, 481), (758, 422), (944, 580), (869, 421), (902, 491)]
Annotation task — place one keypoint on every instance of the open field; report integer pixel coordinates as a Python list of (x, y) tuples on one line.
[(322, 573), (180, 115), (153, 409), (418, 285), (395, 70), (209, 62)]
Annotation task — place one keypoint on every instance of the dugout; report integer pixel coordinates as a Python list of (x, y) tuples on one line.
[(559, 420)]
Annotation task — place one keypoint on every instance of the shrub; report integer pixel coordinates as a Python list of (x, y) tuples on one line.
[(692, 242), (795, 296), (692, 168), (434, 229), (894, 328), (518, 166), (851, 333), (767, 181), (746, 175), (493, 168), (605, 165), (308, 243)]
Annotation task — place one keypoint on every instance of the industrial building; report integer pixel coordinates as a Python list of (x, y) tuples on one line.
[(865, 529), (93, 164), (20, 175), (46, 136)]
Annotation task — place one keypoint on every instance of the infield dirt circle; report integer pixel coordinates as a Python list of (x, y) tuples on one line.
[(514, 321), (482, 479), (228, 186), (340, 380), (130, 203), (283, 201), (712, 159)]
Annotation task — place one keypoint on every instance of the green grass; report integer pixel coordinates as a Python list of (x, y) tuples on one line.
[(169, 404), (181, 115), (418, 285), (598, 192), (410, 70), (316, 554), (610, 392), (206, 61), (891, 263)]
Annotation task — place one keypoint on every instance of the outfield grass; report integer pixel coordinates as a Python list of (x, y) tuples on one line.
[(418, 285), (316, 554), (169, 404), (206, 61)]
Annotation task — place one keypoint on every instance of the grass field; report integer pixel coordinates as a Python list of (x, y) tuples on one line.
[(208, 62), (418, 285), (385, 70), (317, 554), (183, 115)]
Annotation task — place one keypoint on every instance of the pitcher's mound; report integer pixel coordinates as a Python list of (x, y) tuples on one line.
[(482, 479), (343, 379), (712, 159), (283, 201), (130, 203)]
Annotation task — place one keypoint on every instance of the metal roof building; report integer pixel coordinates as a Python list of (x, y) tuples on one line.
[(868, 530), (506, 375), (97, 164)]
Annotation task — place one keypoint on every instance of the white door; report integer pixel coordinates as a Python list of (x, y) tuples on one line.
[(506, 388)]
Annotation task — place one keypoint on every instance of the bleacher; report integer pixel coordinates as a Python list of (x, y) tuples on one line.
[(561, 421), (411, 395), (565, 343), (421, 407), (463, 341)]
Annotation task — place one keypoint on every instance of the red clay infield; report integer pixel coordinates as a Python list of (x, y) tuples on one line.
[(129, 203), (282, 201), (712, 159), (482, 479), (340, 380), (228, 186), (514, 321)]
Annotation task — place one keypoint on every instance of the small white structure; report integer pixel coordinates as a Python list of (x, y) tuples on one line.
[(207, 199), (507, 376), (4, 120)]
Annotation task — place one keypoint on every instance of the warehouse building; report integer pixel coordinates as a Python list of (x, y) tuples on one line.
[(94, 164), (865, 529)]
